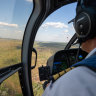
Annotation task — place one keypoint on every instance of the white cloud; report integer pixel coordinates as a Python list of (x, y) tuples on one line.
[(66, 30), (18, 31), (63, 36), (3, 29), (7, 24), (29, 0), (55, 25), (12, 34)]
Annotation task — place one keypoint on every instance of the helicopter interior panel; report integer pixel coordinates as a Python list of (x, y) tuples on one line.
[(65, 58)]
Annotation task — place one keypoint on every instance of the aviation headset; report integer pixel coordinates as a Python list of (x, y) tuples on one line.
[(85, 20)]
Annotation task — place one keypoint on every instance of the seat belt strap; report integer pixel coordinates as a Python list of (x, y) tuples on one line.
[(89, 62)]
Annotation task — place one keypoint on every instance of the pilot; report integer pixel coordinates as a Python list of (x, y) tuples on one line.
[(80, 81)]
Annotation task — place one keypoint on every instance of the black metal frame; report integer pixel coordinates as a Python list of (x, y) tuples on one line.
[(73, 39), (8, 71), (41, 10)]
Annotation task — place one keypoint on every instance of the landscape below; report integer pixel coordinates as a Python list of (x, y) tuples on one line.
[(10, 53)]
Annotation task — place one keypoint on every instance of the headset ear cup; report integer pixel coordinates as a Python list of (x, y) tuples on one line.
[(85, 21), (82, 24)]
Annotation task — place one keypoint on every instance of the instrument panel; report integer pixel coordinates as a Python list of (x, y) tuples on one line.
[(65, 58)]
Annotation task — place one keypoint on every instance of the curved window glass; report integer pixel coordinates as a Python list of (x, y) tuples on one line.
[(14, 15), (52, 36)]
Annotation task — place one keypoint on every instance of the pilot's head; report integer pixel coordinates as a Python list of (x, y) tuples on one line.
[(85, 24)]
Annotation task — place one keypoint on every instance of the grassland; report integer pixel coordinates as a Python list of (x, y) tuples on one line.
[(10, 53)]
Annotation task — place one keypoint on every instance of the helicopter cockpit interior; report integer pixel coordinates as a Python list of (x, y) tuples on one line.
[(46, 44)]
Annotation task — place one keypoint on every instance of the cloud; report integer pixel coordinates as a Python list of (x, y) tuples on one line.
[(55, 25), (7, 24), (12, 34), (66, 30), (18, 31), (3, 29), (62, 36), (29, 0)]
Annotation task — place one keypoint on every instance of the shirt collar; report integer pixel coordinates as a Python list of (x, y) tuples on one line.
[(93, 52)]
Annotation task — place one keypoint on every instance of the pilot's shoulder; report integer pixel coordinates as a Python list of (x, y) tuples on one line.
[(77, 73), (80, 78)]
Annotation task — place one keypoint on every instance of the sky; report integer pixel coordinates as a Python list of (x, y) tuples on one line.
[(15, 13)]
